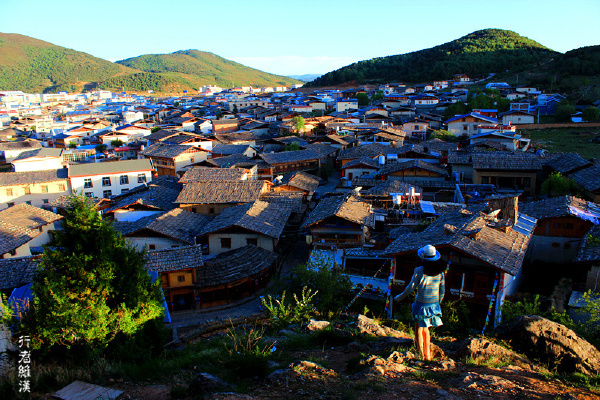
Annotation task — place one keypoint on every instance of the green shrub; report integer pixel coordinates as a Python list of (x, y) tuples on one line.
[(246, 357), (283, 312)]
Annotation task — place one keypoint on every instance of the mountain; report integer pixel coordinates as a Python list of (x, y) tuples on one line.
[(203, 68), (479, 53), (305, 77), (33, 65)]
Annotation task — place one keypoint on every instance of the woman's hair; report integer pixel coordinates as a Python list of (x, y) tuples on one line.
[(433, 268)]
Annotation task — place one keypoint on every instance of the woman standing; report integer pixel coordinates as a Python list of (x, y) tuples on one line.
[(430, 284)]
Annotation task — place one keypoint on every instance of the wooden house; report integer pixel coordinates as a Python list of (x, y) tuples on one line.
[(589, 181), (507, 171), (173, 159)]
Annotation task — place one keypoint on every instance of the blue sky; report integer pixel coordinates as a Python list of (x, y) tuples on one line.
[(291, 36)]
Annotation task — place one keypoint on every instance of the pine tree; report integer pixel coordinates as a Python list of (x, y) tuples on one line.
[(91, 286)]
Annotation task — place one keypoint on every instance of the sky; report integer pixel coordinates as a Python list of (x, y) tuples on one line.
[(292, 37)]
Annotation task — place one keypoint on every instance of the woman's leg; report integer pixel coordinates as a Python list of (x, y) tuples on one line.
[(426, 344), (418, 339)]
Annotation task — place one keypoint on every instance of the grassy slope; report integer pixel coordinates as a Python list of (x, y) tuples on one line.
[(565, 140), (202, 68), (479, 53)]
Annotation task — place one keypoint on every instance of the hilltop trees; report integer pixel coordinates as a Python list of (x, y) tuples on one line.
[(91, 290)]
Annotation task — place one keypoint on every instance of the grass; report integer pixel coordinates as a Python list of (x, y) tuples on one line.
[(565, 140)]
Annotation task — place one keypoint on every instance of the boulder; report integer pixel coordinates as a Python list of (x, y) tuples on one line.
[(482, 350), (317, 325), (205, 383), (553, 344), (370, 327)]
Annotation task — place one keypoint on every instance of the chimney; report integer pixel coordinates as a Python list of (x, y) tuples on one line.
[(508, 206)]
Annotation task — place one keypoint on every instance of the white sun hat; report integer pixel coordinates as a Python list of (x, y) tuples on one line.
[(429, 253)]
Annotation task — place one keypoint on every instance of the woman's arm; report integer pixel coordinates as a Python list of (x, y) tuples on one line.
[(442, 287), (416, 278)]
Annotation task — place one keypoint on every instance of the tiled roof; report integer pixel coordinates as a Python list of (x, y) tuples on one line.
[(25, 145), (164, 150), (27, 216), (128, 227), (244, 136), (474, 115), (159, 194), (352, 209), (367, 150), (554, 207), (506, 161), (13, 236), (400, 166), (589, 251), (291, 200), (234, 265), (43, 152), (290, 156), (568, 162), (384, 188), (179, 139), (162, 134), (219, 192), (179, 224), (228, 161), (113, 167), (33, 177), (363, 161), (17, 271), (473, 234), (174, 259), (588, 178), (301, 180), (208, 173), (266, 218), (322, 149), (460, 157), (229, 149)]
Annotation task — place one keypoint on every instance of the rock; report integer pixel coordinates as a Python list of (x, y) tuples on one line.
[(392, 365), (279, 376), (317, 325), (288, 333), (475, 381), (482, 350), (551, 343), (370, 327), (205, 383), (309, 367)]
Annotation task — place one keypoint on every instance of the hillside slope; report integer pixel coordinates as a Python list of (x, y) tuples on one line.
[(206, 69), (479, 53), (33, 65)]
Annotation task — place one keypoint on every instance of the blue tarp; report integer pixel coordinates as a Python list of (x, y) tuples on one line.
[(154, 276), (19, 300)]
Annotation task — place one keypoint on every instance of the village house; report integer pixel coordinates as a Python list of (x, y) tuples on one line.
[(588, 258), (588, 180), (364, 166), (516, 117), (36, 188), (413, 171), (228, 149), (340, 222), (173, 159), (217, 174), (11, 150), (105, 179), (297, 182), (212, 197), (292, 161), (24, 229), (224, 125), (468, 124), (512, 171), (38, 160)]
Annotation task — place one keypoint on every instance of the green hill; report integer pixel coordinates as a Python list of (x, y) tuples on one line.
[(33, 65), (205, 68), (477, 54)]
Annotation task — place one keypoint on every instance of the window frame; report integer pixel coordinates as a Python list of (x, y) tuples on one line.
[(106, 179)]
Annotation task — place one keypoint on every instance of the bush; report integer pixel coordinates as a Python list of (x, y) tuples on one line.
[(246, 357), (283, 312)]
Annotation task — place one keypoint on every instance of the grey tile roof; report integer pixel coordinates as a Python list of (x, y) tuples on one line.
[(368, 161), (301, 180), (162, 134), (42, 152), (234, 265), (113, 167), (291, 200), (164, 150), (367, 150), (588, 251), (209, 173), (384, 188), (567, 162), (229, 149), (180, 138), (262, 217), (221, 192), (174, 259), (554, 207), (229, 138), (179, 224), (352, 209), (155, 196), (13, 236), (460, 157), (322, 149), (128, 227), (228, 161), (24, 145), (290, 156), (33, 177), (472, 233), (17, 271), (400, 166), (588, 178), (27, 216), (506, 161)]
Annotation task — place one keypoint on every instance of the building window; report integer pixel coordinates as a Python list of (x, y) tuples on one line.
[(89, 194), (485, 180), (225, 243), (106, 194), (27, 190), (87, 183), (124, 190), (106, 181), (527, 182), (124, 180), (12, 252), (152, 247), (9, 192), (45, 201), (180, 278), (141, 178), (211, 210), (567, 246), (569, 225), (61, 187), (44, 188), (253, 241)]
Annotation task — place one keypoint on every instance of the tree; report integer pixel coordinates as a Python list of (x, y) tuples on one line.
[(155, 129), (363, 99), (294, 146), (72, 145), (558, 185), (591, 114), (444, 135), (235, 109), (298, 123), (563, 112), (116, 143), (219, 114), (100, 148), (91, 287)]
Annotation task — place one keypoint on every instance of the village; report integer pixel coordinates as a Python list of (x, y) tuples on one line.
[(219, 186)]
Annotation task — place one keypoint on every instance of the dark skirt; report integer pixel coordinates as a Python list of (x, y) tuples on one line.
[(427, 314)]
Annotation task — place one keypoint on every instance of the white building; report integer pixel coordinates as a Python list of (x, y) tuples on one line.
[(106, 179), (38, 160)]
